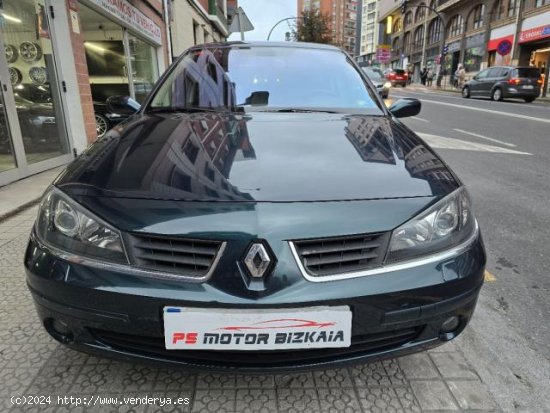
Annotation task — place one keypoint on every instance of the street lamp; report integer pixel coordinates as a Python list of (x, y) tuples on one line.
[(279, 22)]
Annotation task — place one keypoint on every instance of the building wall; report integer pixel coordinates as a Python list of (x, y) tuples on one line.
[(369, 28)]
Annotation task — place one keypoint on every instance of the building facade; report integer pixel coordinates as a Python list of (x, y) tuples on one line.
[(343, 20), (198, 21), (369, 30), (475, 33), (62, 59)]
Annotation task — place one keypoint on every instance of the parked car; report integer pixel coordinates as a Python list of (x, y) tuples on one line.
[(260, 214), (397, 77), (500, 82), (41, 95), (377, 78)]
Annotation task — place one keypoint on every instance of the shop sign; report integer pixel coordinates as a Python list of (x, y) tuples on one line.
[(383, 53), (534, 34), (130, 17), (453, 47)]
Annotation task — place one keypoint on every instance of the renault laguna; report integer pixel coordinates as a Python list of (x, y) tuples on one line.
[(262, 210)]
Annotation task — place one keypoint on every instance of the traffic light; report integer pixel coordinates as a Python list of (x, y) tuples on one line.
[(404, 6), (445, 49)]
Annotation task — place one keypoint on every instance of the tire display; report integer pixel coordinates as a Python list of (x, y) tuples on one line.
[(30, 51)]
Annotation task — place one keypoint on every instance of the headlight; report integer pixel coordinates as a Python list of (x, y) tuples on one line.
[(387, 85), (64, 224), (442, 226)]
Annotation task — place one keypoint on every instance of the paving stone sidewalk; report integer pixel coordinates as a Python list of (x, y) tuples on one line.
[(31, 363)]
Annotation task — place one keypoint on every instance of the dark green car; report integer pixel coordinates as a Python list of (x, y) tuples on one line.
[(262, 210)]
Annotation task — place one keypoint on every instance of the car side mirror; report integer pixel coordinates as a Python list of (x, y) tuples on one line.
[(475, 77), (404, 108), (123, 105)]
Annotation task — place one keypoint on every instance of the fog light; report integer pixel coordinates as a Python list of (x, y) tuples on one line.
[(450, 324), (59, 330)]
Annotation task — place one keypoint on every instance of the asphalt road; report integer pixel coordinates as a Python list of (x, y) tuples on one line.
[(501, 151)]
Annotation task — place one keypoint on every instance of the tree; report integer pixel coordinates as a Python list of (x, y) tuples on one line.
[(313, 26)]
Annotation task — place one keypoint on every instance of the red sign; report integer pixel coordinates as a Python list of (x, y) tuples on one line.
[(535, 33), (504, 47), (493, 43)]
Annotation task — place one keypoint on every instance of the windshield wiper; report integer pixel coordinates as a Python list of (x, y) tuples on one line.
[(185, 109), (298, 110)]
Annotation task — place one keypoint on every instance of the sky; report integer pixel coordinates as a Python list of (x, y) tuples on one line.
[(263, 14)]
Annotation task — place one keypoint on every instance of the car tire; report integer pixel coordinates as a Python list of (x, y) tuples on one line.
[(466, 92), (496, 95), (529, 99), (101, 125)]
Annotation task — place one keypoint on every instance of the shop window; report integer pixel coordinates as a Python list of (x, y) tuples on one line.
[(473, 58)]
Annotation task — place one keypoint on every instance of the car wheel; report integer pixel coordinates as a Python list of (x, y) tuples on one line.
[(529, 99), (497, 95), (466, 92), (101, 125)]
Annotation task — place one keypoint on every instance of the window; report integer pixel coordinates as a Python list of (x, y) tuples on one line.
[(420, 12), (407, 42), (418, 37), (190, 150), (395, 45), (456, 26), (397, 26), (540, 3), (408, 19), (494, 72), (434, 31), (498, 11), (483, 74), (513, 6), (477, 16)]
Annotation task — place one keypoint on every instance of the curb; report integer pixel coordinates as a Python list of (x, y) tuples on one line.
[(19, 209)]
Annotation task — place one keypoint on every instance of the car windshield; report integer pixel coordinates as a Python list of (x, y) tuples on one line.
[(373, 74), (527, 72), (264, 78)]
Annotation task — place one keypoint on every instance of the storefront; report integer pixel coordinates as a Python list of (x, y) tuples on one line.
[(62, 60), (474, 52), (534, 44)]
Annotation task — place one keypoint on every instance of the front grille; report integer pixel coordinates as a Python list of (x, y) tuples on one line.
[(339, 255), (361, 345), (181, 256)]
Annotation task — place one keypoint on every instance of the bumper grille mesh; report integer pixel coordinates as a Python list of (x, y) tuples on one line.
[(340, 255), (183, 256)]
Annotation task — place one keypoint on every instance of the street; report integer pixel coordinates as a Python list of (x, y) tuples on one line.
[(501, 362)]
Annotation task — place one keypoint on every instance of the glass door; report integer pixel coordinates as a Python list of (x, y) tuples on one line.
[(143, 61), (31, 99)]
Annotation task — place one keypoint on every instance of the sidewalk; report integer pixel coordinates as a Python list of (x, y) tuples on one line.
[(22, 194)]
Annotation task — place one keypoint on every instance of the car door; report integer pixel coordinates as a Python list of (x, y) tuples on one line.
[(476, 83), (492, 78)]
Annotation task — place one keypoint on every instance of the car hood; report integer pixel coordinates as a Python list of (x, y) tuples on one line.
[(259, 157)]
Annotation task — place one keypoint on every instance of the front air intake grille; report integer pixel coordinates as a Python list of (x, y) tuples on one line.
[(181, 256), (339, 255)]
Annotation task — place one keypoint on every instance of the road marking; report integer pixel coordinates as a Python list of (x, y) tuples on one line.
[(420, 119), (489, 277), (494, 112), (442, 142), (486, 138)]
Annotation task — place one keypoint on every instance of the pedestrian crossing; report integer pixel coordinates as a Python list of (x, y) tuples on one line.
[(441, 142)]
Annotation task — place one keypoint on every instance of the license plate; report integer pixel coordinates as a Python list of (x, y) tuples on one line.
[(267, 329), (399, 78), (528, 87)]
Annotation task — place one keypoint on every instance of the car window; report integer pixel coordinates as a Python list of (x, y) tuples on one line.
[(482, 74), (268, 76), (399, 71), (527, 72), (494, 72)]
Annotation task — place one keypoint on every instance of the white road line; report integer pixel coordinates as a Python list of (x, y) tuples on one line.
[(486, 138), (442, 142), (495, 112), (420, 119)]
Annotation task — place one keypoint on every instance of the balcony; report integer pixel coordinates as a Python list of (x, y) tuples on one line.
[(217, 16)]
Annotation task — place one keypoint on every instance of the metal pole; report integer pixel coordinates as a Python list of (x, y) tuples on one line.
[(279, 22), (239, 11)]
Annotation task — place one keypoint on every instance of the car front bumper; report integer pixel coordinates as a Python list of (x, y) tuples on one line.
[(119, 316)]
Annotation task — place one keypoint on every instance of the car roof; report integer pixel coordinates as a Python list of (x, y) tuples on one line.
[(300, 45)]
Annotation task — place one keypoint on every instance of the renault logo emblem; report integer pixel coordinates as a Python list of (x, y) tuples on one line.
[(257, 260)]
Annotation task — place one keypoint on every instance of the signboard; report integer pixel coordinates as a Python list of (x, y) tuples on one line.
[(536, 33), (504, 47), (128, 16), (493, 43), (383, 53)]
